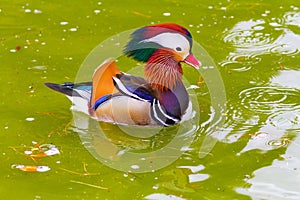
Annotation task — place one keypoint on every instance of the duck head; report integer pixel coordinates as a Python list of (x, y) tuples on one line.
[(163, 47)]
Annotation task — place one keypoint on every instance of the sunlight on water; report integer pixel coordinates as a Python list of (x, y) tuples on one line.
[(275, 182), (278, 181)]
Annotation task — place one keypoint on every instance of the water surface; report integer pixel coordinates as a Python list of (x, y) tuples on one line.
[(255, 47)]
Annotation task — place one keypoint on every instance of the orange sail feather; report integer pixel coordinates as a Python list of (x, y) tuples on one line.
[(103, 80)]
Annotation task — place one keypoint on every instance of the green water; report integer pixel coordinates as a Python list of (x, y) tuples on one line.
[(255, 46)]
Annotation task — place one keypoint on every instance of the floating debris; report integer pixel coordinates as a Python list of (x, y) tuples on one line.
[(36, 11), (86, 173), (27, 168), (43, 150), (30, 119), (135, 166), (141, 14), (97, 11), (27, 152), (90, 185), (38, 67), (52, 151), (167, 14), (73, 29), (64, 23), (38, 150)]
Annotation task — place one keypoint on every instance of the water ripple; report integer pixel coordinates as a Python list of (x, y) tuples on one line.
[(248, 34), (269, 99), (292, 18), (253, 38), (283, 142), (240, 62), (286, 119)]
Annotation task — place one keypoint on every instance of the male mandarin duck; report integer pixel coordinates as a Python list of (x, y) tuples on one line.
[(158, 99)]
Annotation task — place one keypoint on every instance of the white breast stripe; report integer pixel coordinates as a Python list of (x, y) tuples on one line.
[(155, 114), (123, 89), (165, 114)]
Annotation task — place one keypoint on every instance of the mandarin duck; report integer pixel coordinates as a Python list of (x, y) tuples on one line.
[(159, 98)]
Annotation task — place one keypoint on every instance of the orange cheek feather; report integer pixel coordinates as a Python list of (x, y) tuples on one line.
[(178, 56)]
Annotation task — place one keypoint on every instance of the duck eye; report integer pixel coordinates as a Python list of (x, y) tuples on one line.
[(178, 49)]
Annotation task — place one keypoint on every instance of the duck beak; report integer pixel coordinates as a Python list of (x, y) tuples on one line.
[(192, 61)]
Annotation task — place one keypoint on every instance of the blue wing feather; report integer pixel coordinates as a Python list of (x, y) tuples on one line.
[(101, 100), (134, 86)]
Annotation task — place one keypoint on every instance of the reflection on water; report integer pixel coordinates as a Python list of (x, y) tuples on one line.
[(252, 38), (159, 196), (259, 140), (286, 119), (274, 111), (194, 176), (289, 119), (113, 146), (268, 114), (280, 180), (287, 78)]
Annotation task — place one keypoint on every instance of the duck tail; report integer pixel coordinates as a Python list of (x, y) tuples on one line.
[(65, 88), (73, 90)]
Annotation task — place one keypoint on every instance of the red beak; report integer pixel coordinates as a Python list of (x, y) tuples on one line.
[(192, 61)]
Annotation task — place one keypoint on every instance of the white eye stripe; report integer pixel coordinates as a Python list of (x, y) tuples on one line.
[(170, 40)]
